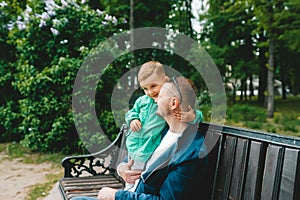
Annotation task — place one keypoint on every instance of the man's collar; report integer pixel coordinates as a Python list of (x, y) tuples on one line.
[(173, 152)]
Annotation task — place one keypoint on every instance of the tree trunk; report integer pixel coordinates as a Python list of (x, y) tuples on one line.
[(283, 79), (270, 80), (189, 14), (245, 89), (251, 89), (132, 64), (262, 71)]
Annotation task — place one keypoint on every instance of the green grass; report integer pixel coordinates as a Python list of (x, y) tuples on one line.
[(16, 150), (41, 190), (249, 114), (289, 106)]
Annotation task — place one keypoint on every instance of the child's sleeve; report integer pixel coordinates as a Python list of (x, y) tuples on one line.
[(134, 112), (198, 118)]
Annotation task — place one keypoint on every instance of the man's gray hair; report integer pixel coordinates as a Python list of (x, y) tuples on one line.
[(184, 91)]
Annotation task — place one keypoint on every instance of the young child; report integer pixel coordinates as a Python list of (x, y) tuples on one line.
[(145, 125)]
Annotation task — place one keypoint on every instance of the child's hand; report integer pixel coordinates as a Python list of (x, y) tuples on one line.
[(135, 125), (185, 116)]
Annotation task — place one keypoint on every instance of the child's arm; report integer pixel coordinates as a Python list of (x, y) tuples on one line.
[(192, 116), (132, 117)]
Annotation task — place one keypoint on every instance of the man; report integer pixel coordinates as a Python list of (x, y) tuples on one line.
[(175, 170)]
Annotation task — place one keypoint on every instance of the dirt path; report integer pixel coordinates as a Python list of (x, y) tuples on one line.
[(17, 177)]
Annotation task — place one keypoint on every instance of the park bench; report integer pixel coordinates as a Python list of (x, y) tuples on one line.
[(244, 164)]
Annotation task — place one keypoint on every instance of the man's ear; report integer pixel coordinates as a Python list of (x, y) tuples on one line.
[(174, 103)]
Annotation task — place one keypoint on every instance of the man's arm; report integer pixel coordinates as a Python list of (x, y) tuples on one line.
[(183, 182)]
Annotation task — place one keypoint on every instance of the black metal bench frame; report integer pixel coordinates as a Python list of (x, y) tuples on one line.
[(245, 164)]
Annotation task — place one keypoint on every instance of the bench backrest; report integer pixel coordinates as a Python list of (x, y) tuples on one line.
[(247, 164)]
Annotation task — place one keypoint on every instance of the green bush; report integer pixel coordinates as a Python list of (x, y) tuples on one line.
[(244, 112), (9, 117), (50, 49), (289, 122), (206, 111), (204, 101), (277, 118), (205, 98), (290, 126), (254, 125), (271, 129)]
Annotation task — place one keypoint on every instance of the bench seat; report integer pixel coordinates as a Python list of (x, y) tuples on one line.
[(87, 186)]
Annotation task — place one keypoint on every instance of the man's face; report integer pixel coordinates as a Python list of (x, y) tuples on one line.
[(152, 85), (162, 101)]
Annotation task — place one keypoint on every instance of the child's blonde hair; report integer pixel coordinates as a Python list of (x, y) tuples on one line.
[(149, 68)]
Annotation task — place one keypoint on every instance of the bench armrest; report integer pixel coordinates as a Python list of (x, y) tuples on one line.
[(99, 163)]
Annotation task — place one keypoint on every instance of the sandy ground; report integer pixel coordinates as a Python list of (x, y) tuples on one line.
[(17, 177)]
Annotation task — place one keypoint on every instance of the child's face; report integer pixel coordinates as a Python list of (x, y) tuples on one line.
[(153, 84)]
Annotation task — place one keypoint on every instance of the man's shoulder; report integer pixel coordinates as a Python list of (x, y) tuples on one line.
[(192, 128), (193, 134)]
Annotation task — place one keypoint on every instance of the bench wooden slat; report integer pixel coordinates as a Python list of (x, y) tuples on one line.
[(85, 193), (214, 157), (225, 170), (87, 186), (289, 174), (91, 184), (271, 177), (89, 179), (254, 171), (239, 168), (92, 181), (100, 182)]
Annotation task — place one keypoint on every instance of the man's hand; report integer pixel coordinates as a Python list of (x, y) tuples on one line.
[(188, 116), (135, 125), (129, 176), (107, 193)]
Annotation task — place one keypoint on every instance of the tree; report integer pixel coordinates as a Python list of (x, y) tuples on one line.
[(51, 41), (255, 37), (227, 32), (287, 21), (265, 12)]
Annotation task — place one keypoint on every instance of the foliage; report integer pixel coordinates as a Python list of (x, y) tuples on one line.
[(51, 42), (10, 117), (246, 113), (254, 125), (107, 120), (286, 119), (289, 121), (237, 33), (205, 98)]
